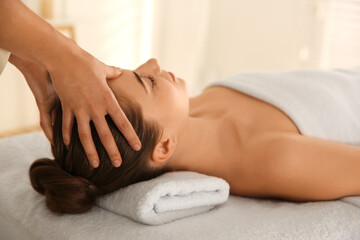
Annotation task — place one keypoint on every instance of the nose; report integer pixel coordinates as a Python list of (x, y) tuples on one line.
[(153, 64)]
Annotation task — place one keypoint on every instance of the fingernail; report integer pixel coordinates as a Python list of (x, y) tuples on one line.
[(116, 163), (137, 147), (94, 164)]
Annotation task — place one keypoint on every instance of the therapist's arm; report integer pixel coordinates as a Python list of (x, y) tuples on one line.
[(38, 79), (78, 78)]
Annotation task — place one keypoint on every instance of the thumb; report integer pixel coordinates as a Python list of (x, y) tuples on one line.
[(113, 72)]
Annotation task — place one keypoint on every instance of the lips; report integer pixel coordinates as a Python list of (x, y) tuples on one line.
[(172, 76)]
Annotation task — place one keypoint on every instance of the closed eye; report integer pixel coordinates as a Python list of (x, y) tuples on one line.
[(153, 82), (140, 81)]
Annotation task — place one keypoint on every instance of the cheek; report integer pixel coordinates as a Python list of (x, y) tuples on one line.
[(177, 103), (169, 106)]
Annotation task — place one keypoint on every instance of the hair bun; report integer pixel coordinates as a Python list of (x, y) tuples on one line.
[(64, 193)]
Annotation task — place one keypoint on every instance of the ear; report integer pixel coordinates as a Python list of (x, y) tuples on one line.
[(164, 149)]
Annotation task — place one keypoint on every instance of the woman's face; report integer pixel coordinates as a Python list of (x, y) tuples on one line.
[(162, 96)]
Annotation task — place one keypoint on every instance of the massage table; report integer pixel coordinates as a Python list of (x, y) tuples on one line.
[(23, 214)]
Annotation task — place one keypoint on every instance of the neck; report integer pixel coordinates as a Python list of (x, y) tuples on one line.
[(196, 145)]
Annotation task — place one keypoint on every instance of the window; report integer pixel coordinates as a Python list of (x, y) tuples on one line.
[(341, 41)]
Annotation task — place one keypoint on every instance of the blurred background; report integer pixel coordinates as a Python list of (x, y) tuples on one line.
[(198, 40)]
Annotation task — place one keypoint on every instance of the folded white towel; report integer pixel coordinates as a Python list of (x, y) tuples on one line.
[(169, 197)]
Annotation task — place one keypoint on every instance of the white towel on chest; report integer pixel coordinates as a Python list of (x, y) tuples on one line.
[(171, 196), (322, 103)]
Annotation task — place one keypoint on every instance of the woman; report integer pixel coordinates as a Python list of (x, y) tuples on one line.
[(251, 144)]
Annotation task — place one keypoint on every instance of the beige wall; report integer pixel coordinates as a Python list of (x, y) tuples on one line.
[(17, 104), (210, 39)]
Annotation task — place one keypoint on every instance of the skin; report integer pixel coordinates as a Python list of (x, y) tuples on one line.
[(53, 63), (248, 142)]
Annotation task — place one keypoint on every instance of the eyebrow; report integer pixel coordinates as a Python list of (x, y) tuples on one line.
[(140, 81)]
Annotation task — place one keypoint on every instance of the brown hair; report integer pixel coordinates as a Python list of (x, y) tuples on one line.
[(70, 184)]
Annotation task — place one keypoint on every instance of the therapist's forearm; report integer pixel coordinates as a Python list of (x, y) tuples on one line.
[(26, 34)]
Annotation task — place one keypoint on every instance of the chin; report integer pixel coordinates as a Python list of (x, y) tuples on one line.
[(184, 86)]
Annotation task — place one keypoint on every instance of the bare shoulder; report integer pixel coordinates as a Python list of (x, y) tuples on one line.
[(261, 156), (300, 168)]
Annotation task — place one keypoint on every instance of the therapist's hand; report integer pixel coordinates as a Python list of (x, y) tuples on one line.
[(80, 82), (78, 78), (38, 79)]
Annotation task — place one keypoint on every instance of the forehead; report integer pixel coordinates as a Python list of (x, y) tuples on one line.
[(127, 85)]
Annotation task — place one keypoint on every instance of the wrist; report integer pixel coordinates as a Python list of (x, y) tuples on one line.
[(59, 52)]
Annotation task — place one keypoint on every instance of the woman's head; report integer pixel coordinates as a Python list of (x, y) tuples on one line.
[(71, 185), (162, 96), (163, 99)]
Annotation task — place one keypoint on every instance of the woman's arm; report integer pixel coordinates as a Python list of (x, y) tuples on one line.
[(301, 168), (80, 80)]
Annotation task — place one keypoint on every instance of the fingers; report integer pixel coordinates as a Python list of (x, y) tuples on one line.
[(67, 125), (112, 72), (87, 141), (108, 141), (45, 123), (125, 127)]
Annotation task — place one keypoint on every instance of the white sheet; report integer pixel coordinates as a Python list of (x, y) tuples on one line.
[(238, 218)]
